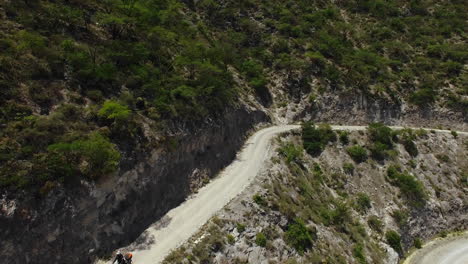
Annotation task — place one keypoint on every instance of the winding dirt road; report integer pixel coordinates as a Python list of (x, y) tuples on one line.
[(182, 222), (451, 250)]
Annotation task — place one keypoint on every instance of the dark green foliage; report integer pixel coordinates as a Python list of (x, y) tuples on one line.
[(348, 168), (179, 58), (258, 199), (230, 238), (409, 186), (382, 138), (240, 227), (394, 240), (344, 137), (299, 236), (417, 243), (423, 97), (378, 132), (363, 202), (454, 134), (101, 156), (315, 139), (260, 239), (407, 137), (401, 217), (357, 153), (114, 111)]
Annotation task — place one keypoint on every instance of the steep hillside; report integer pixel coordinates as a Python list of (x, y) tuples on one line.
[(106, 105), (342, 201)]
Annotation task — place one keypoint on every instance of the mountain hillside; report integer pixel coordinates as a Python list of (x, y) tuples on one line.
[(347, 200), (106, 105)]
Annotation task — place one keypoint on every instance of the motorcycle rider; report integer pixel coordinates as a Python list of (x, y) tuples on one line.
[(123, 259)]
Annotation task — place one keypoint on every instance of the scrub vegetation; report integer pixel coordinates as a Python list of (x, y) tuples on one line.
[(70, 70)]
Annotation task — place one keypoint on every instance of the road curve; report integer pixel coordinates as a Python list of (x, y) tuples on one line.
[(179, 224), (187, 218), (451, 250)]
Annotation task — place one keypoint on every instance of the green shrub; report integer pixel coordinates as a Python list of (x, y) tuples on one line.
[(410, 147), (344, 137), (400, 216), (394, 240), (357, 153), (380, 133), (417, 243), (348, 168), (299, 236), (114, 111), (291, 152), (240, 227), (363, 202), (260, 239), (100, 155), (423, 97), (315, 139), (454, 133), (379, 151), (409, 186), (258, 199), (230, 238)]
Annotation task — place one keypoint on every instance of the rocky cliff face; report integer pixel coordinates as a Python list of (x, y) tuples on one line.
[(76, 224), (361, 109)]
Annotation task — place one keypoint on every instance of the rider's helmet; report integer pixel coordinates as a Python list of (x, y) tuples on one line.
[(128, 256)]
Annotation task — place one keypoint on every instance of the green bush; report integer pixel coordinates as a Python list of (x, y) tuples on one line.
[(260, 239), (230, 238), (379, 151), (357, 153), (315, 139), (348, 168), (407, 137), (394, 240), (409, 186), (299, 236), (363, 202), (240, 227), (417, 243), (100, 155), (258, 199), (378, 132), (114, 111), (400, 216), (291, 152), (344, 137), (454, 134), (423, 97)]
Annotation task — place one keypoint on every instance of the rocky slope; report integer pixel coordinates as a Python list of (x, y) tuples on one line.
[(346, 208)]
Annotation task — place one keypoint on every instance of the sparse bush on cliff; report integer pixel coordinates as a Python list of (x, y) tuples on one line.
[(357, 153), (315, 139), (394, 240), (299, 236)]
